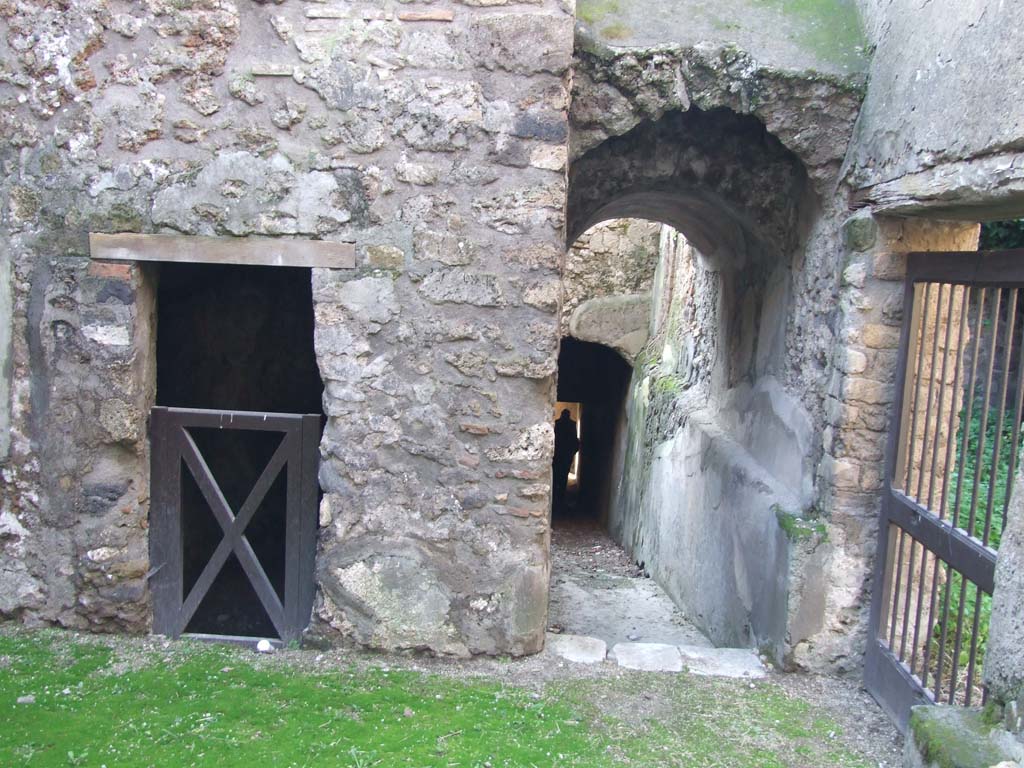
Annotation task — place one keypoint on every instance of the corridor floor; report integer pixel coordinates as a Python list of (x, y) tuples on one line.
[(597, 591)]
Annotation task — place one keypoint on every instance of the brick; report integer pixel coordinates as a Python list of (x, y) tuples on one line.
[(111, 270), (439, 15)]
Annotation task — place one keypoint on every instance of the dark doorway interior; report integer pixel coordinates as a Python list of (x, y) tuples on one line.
[(598, 378), (241, 339)]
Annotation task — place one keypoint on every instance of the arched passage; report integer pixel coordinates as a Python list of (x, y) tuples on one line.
[(712, 446), (718, 177)]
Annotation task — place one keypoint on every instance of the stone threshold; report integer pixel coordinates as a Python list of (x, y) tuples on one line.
[(659, 657)]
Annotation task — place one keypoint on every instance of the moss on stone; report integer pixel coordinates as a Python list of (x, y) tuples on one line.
[(954, 738), (799, 528), (616, 32), (668, 385), (592, 11), (831, 29)]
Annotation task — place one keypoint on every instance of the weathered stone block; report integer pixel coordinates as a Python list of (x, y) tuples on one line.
[(1004, 660), (523, 43), (860, 231), (456, 286)]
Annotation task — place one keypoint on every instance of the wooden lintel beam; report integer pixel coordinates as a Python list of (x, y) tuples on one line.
[(253, 251)]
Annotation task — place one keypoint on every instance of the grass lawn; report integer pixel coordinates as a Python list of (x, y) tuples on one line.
[(123, 702)]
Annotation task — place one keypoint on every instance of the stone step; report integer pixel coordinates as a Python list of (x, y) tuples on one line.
[(659, 657), (577, 648)]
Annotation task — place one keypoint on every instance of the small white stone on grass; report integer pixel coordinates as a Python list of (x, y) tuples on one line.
[(29, 699), (264, 646)]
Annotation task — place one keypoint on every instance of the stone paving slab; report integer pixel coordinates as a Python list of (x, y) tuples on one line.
[(577, 648), (648, 657), (722, 662)]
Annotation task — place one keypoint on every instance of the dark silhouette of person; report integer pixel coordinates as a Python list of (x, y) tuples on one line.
[(566, 446)]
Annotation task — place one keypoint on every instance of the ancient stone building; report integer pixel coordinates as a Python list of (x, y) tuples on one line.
[(408, 177)]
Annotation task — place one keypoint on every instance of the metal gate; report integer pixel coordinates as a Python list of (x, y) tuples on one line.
[(176, 458), (953, 447)]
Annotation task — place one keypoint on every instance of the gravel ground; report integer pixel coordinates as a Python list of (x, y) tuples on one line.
[(597, 591)]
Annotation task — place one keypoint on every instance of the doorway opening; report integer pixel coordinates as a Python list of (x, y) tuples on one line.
[(236, 339), (593, 381)]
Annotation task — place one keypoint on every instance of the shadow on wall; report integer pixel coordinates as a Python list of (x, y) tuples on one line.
[(713, 453)]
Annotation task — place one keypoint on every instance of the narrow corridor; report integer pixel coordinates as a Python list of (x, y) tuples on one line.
[(596, 591)]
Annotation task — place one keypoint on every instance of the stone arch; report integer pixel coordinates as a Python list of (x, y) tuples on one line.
[(718, 176), (744, 203)]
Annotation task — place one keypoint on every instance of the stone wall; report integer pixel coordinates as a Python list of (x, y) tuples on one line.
[(715, 470), (850, 475), (940, 130), (433, 137), (614, 258)]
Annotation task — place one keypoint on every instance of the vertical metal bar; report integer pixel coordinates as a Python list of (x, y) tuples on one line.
[(950, 438), (972, 659), (983, 431), (1015, 446), (965, 309), (920, 605), (887, 544), (896, 592), (945, 631), (910, 595), (928, 403), (942, 404), (917, 388), (958, 645), (966, 424), (997, 443)]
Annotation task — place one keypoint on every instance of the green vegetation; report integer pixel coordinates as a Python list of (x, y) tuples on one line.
[(831, 29), (1002, 235), (799, 528), (990, 474), (668, 385), (119, 702)]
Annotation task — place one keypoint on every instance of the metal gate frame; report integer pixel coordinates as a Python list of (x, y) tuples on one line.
[(173, 446), (890, 680)]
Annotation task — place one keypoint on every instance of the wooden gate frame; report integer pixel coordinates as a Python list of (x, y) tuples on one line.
[(889, 680), (171, 446)]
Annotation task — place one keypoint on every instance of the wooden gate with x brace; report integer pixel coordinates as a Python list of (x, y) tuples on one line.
[(174, 451)]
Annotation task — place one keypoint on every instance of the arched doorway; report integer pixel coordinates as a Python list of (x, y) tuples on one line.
[(712, 447)]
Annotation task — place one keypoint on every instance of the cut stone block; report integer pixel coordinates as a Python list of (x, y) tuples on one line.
[(957, 737), (580, 649), (722, 662), (648, 657)]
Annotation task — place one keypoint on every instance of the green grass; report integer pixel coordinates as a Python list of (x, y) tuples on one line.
[(97, 704)]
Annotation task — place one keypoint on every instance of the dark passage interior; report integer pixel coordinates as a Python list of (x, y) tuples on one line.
[(597, 378), (235, 338)]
